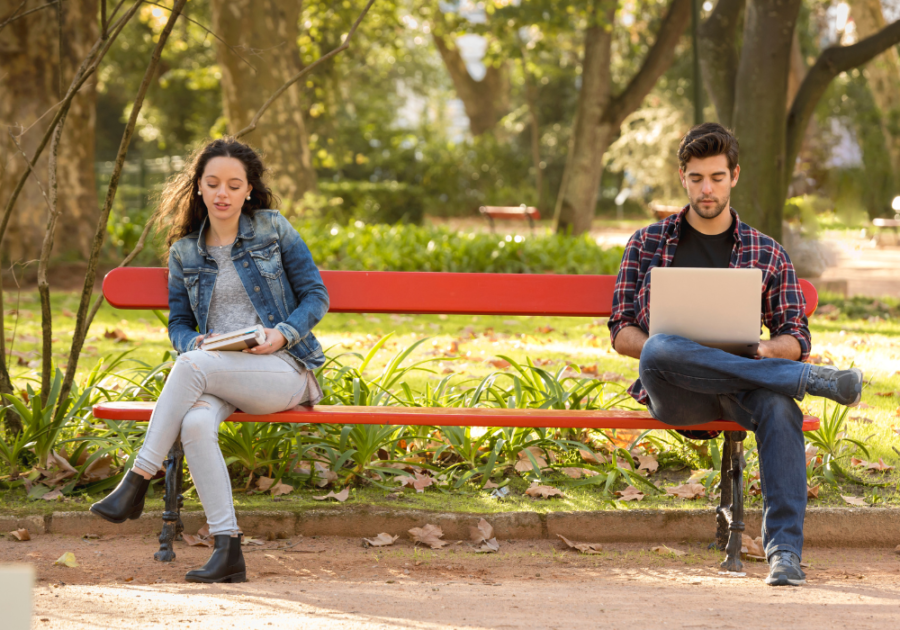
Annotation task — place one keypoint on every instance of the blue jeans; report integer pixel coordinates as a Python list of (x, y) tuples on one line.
[(690, 384)]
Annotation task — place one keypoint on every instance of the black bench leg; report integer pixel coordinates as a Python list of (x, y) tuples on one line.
[(172, 525), (723, 511), (734, 450)]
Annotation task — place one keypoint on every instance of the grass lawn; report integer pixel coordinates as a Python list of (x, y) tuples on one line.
[(466, 346)]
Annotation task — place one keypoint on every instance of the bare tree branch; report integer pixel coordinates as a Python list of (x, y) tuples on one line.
[(655, 63), (90, 276), (138, 248), (28, 12), (44, 263), (250, 127), (103, 22), (719, 56), (830, 63), (28, 167), (193, 21)]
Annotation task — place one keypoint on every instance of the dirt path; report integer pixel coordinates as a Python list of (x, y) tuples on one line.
[(335, 583)]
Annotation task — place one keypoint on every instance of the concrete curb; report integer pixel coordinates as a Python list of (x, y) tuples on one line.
[(824, 527)]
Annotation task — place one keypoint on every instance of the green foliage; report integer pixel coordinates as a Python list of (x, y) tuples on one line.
[(414, 248), (378, 202)]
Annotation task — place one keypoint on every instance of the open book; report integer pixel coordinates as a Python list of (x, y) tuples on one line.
[(236, 339)]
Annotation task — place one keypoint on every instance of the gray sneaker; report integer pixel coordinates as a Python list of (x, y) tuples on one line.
[(784, 570), (842, 386)]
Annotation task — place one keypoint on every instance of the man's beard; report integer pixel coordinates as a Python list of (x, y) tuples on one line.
[(709, 213)]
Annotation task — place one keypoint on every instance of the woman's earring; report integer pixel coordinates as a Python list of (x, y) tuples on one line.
[(199, 192), (248, 197)]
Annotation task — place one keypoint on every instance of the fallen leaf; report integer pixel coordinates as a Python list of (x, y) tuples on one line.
[(537, 490), (264, 483), (592, 458), (53, 495), (428, 535), (280, 488), (663, 550), (381, 540), (648, 462), (884, 394), (631, 494), (196, 541), (481, 532), (67, 560), (611, 377), (490, 484), (812, 492), (546, 330), (21, 534), (419, 481), (687, 491), (811, 453), (489, 546), (752, 547), (854, 500), (863, 405), (500, 364), (118, 334), (871, 467), (861, 419), (585, 548), (525, 464), (203, 532), (99, 469), (624, 437), (340, 496), (249, 540), (67, 313)]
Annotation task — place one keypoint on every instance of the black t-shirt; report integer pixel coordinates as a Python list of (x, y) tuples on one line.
[(696, 249)]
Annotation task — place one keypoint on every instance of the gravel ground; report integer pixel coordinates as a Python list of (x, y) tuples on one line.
[(337, 583)]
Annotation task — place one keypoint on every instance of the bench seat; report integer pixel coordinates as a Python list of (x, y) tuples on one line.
[(444, 416)]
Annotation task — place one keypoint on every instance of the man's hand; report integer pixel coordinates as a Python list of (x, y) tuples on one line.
[(630, 341), (780, 347)]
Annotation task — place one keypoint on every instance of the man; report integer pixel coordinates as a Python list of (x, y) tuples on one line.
[(683, 383)]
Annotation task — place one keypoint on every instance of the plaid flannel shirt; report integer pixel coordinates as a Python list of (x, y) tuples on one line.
[(783, 306)]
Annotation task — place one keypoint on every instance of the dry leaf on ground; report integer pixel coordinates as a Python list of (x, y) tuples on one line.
[(630, 494), (419, 482), (854, 500), (592, 458), (812, 492), (249, 540), (585, 548), (488, 485), (753, 547), (340, 496), (879, 466), (67, 560), (483, 534), (428, 535), (196, 541), (687, 491), (578, 473), (500, 364), (53, 495), (648, 462), (381, 540), (624, 437), (537, 490), (663, 550), (264, 483), (21, 534), (811, 453)]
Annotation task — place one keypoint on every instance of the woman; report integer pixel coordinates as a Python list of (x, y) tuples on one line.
[(233, 263)]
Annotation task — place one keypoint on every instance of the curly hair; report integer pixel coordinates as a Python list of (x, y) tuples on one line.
[(707, 140), (181, 211)]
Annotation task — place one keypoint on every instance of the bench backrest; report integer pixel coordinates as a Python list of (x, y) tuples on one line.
[(421, 292)]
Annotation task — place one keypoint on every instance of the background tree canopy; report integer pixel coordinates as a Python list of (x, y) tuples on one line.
[(441, 107)]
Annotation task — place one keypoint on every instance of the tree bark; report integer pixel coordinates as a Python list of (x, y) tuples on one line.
[(267, 31), (762, 81), (883, 76), (600, 115), (719, 56), (485, 101), (30, 82)]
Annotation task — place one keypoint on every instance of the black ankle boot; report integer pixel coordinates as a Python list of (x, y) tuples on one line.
[(126, 501), (225, 565)]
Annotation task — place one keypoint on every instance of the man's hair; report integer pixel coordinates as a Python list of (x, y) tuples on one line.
[(707, 140)]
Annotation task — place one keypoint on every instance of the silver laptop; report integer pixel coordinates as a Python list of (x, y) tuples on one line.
[(718, 308)]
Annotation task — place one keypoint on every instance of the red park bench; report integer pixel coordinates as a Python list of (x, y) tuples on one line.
[(507, 213), (445, 293)]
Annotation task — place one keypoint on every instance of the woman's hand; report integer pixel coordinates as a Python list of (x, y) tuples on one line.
[(198, 343), (274, 341)]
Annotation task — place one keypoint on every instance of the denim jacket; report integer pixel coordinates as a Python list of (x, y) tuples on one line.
[(277, 271)]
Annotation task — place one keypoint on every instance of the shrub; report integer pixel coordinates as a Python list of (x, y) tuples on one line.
[(362, 247), (371, 202)]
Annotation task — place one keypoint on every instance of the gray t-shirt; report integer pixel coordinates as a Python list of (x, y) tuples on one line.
[(230, 307)]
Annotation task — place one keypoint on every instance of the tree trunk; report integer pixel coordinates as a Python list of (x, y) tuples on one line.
[(719, 56), (883, 76), (485, 101), (267, 32), (30, 84), (590, 137), (600, 115), (762, 81)]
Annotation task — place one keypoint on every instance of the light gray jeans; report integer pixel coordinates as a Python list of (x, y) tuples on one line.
[(203, 389)]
